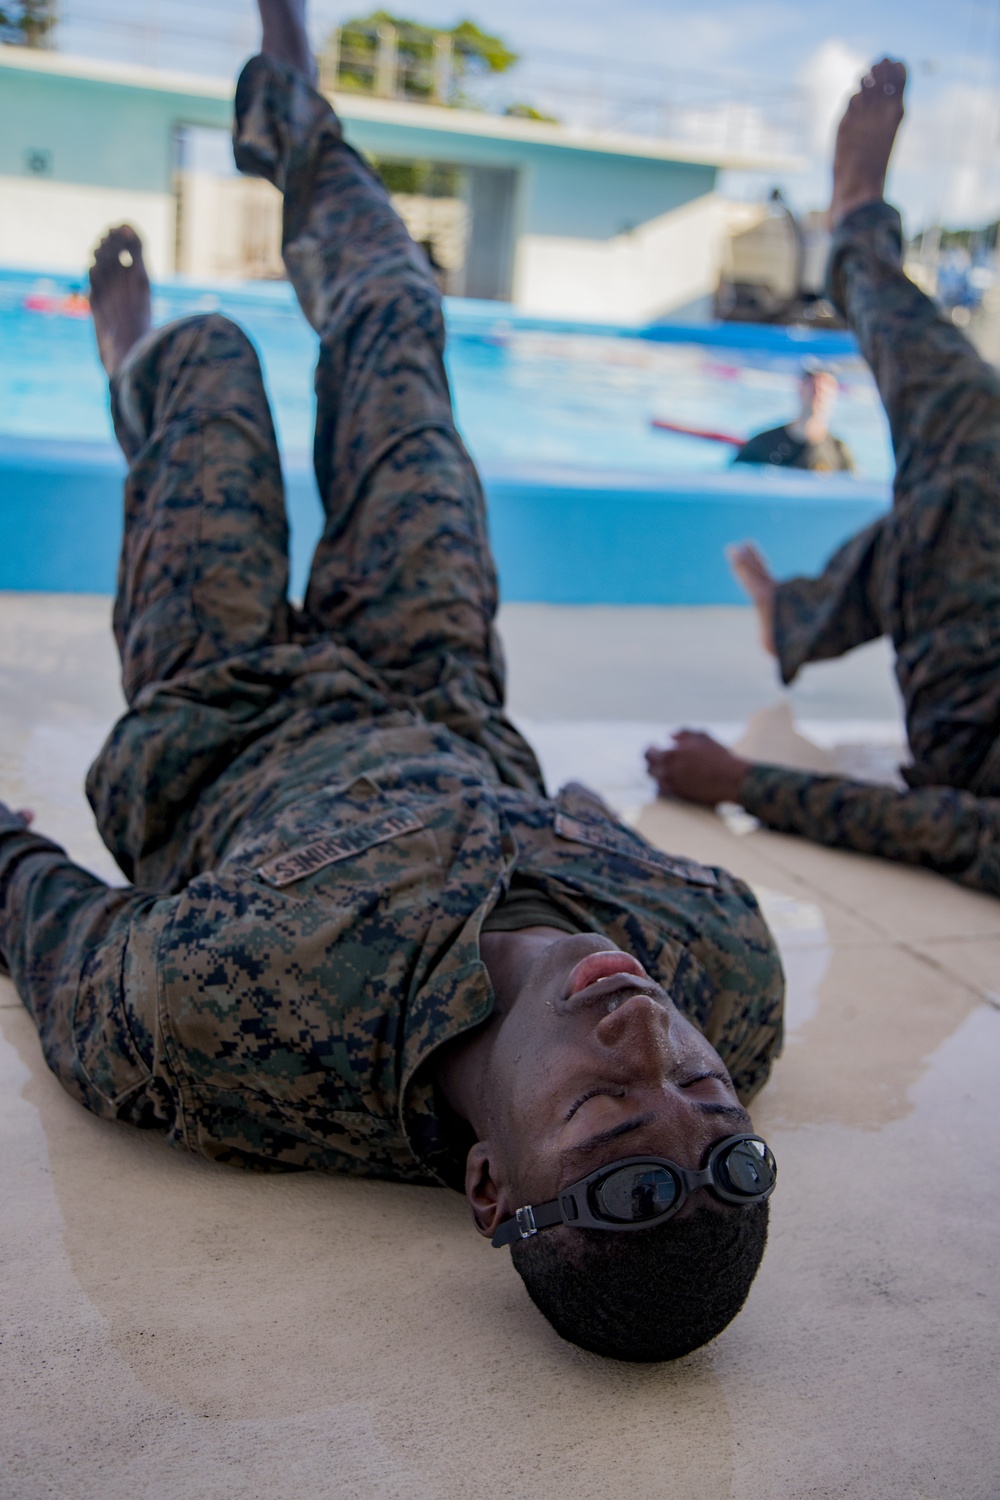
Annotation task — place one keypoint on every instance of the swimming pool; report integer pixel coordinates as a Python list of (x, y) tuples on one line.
[(557, 416)]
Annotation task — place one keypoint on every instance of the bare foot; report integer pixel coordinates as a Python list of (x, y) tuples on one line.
[(753, 573), (119, 295), (865, 139), (285, 35)]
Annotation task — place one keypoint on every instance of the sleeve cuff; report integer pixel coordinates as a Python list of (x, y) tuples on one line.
[(771, 793), (10, 821)]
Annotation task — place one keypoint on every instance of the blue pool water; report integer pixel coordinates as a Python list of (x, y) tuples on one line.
[(523, 394), (582, 490)]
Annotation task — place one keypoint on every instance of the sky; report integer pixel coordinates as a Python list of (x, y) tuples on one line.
[(947, 165)]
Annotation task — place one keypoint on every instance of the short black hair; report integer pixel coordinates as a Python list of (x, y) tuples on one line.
[(647, 1295)]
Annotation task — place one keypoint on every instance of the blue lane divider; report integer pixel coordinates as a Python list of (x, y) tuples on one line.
[(560, 536), (469, 315), (768, 338)]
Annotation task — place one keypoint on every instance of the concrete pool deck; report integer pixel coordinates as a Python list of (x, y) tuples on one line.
[(176, 1329)]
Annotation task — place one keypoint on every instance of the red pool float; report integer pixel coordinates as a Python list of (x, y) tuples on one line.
[(699, 432), (72, 305)]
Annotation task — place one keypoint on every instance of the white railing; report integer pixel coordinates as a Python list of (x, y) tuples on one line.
[(723, 112)]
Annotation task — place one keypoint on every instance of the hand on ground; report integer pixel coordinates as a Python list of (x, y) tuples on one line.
[(697, 769)]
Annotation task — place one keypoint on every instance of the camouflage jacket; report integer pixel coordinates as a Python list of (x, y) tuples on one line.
[(941, 828), (281, 1006), (925, 574)]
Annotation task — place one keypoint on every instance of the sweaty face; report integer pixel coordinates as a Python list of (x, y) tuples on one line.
[(594, 1062)]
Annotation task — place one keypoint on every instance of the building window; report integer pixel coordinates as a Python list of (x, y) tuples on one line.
[(462, 215)]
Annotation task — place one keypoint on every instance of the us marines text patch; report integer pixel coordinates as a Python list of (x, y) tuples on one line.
[(284, 869)]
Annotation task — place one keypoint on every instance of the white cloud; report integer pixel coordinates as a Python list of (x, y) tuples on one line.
[(660, 51), (733, 126), (828, 78), (947, 166)]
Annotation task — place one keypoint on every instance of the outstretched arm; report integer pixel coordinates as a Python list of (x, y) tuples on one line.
[(81, 954), (41, 891), (940, 828), (946, 830)]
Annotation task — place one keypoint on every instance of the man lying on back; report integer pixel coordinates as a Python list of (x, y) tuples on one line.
[(927, 574), (360, 936)]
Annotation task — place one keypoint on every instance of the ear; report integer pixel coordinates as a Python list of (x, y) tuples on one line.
[(486, 1190)]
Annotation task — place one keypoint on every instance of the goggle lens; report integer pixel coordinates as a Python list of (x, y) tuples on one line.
[(748, 1168), (633, 1194)]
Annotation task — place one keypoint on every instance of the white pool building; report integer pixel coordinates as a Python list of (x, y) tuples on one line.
[(559, 220)]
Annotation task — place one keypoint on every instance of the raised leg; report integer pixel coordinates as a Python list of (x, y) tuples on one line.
[(942, 400), (928, 574), (403, 574), (204, 564), (938, 394), (120, 298)]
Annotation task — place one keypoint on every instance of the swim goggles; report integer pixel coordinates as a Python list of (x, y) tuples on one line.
[(643, 1191)]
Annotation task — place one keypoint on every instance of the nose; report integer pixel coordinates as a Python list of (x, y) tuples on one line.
[(637, 1031)]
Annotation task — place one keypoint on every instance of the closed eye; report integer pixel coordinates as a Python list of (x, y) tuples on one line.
[(612, 1093), (702, 1077)]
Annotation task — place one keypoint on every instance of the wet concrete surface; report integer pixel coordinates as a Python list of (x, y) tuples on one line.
[(172, 1328)]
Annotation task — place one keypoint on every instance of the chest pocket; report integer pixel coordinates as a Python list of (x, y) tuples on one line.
[(615, 840)]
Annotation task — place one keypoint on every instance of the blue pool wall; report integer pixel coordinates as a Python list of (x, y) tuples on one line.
[(559, 537)]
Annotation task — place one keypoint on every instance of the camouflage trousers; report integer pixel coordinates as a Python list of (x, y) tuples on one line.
[(928, 573), (402, 590)]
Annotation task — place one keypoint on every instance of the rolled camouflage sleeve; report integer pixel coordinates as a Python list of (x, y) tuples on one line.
[(73, 946), (950, 831)]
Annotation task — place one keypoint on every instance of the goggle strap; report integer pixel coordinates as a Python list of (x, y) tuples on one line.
[(547, 1214), (526, 1222)]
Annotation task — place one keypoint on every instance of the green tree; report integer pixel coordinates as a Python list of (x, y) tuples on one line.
[(529, 112), (430, 65), (27, 23)]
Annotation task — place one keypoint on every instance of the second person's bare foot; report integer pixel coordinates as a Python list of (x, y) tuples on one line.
[(753, 573), (120, 298), (285, 35), (865, 139)]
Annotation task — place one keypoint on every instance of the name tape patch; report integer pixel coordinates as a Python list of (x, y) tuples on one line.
[(576, 831), (285, 869)]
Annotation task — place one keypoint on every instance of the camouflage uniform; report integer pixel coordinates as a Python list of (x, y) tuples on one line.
[(927, 574), (318, 808)]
